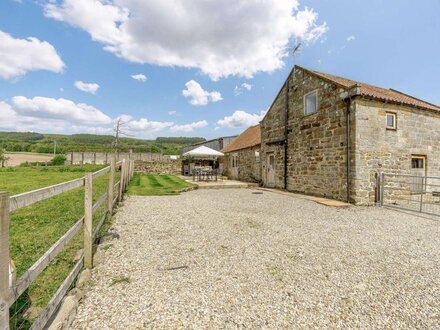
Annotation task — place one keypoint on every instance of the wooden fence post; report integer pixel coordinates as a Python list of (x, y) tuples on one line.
[(132, 169), (88, 220), (121, 186), (111, 183), (4, 260), (127, 166)]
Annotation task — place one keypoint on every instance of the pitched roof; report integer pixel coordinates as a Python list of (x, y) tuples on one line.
[(249, 138), (379, 93)]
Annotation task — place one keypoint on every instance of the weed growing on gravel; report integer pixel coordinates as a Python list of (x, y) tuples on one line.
[(120, 279)]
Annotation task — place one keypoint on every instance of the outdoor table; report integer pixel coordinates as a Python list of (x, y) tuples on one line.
[(204, 174)]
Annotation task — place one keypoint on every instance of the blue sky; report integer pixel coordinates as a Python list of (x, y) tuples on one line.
[(228, 62)]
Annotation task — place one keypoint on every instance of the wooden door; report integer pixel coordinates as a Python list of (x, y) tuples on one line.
[(234, 166), (270, 169), (418, 171)]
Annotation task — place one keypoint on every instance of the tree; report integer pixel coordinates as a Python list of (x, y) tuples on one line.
[(118, 133), (3, 158)]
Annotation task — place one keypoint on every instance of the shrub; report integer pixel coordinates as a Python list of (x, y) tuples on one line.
[(58, 160)]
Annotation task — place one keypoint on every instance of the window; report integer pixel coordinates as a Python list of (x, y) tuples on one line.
[(257, 156), (391, 121), (311, 103), (234, 161), (418, 163)]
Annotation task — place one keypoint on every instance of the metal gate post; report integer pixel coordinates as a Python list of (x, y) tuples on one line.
[(382, 188)]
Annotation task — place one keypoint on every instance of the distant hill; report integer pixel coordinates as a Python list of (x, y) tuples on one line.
[(44, 143)]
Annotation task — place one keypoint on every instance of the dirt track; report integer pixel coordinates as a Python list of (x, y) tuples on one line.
[(17, 159)]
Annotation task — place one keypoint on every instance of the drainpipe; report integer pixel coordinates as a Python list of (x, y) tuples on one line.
[(286, 130), (348, 102)]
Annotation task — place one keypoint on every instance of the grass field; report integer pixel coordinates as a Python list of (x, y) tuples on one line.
[(35, 228), (156, 185)]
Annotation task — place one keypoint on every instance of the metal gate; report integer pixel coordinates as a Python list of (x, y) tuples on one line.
[(410, 192)]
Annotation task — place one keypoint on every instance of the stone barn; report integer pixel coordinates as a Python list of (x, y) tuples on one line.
[(242, 156), (329, 136)]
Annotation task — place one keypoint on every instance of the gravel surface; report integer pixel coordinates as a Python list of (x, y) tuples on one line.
[(228, 259)]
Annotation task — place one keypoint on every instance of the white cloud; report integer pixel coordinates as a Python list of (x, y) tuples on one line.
[(91, 88), (18, 56), (189, 127), (351, 38), (198, 95), (208, 35), (238, 90), (45, 107), (172, 113), (241, 119), (145, 125), (47, 115), (246, 86), (139, 77)]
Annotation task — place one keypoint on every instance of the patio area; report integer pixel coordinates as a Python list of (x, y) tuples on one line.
[(220, 183)]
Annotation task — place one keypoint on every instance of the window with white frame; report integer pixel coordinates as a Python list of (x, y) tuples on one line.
[(257, 156), (418, 162), (391, 120), (311, 103)]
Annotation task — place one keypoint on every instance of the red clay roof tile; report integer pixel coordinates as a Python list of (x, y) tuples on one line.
[(387, 95), (249, 138)]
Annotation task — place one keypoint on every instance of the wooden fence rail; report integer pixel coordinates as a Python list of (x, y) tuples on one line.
[(9, 293)]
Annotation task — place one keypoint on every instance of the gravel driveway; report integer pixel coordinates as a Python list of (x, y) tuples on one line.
[(228, 259)]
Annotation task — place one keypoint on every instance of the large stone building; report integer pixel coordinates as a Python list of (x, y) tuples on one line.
[(242, 156), (329, 136)]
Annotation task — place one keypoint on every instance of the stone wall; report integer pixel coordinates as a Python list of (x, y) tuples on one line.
[(249, 166), (390, 151), (316, 143), (167, 166)]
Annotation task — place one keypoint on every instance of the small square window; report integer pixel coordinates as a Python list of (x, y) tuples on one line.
[(391, 121), (311, 103), (418, 163)]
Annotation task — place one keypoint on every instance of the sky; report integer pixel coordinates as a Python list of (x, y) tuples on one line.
[(203, 68)]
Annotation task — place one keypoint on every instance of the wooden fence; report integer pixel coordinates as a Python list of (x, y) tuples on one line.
[(81, 158), (10, 293)]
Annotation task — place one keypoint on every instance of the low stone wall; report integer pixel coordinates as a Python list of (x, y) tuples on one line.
[(166, 166)]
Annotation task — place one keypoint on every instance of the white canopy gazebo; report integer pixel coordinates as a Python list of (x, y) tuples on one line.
[(200, 157), (203, 152)]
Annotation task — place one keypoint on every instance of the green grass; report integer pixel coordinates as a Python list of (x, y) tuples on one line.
[(35, 228), (156, 185)]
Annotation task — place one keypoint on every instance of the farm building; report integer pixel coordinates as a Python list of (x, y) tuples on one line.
[(216, 144), (329, 136), (242, 156)]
